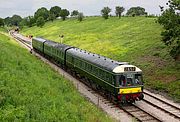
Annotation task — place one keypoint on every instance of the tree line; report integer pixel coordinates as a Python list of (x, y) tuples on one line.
[(133, 11), (41, 16)]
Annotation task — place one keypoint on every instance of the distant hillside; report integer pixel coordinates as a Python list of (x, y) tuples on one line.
[(31, 91), (132, 39)]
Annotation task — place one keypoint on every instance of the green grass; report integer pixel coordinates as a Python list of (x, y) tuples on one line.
[(31, 91), (2, 29), (133, 39)]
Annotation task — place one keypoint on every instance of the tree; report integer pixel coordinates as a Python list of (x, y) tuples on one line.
[(22, 23), (55, 11), (42, 12), (119, 11), (15, 20), (40, 22), (7, 21), (30, 21), (1, 22), (105, 12), (64, 13), (170, 20), (136, 11), (80, 16), (52, 16), (74, 13)]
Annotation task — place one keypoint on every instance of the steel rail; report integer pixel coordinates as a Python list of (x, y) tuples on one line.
[(140, 118), (161, 108), (161, 100)]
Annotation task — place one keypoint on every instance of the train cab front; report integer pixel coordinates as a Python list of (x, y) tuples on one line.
[(130, 95), (130, 88)]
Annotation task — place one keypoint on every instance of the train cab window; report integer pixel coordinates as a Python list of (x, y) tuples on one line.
[(122, 81), (138, 79), (130, 81)]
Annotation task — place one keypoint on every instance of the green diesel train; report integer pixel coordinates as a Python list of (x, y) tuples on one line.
[(118, 79)]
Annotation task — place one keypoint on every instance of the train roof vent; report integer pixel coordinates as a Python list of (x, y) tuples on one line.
[(104, 58), (112, 61)]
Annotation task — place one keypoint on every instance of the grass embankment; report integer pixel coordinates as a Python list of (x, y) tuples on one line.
[(31, 91), (133, 39), (2, 29)]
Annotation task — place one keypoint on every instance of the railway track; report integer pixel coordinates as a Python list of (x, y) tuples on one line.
[(163, 106), (139, 114), (25, 42), (131, 109), (136, 112)]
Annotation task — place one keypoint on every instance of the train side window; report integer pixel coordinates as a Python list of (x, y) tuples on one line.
[(86, 66), (113, 80), (76, 62), (90, 67), (107, 78), (122, 80), (100, 73), (80, 63), (95, 70), (103, 76)]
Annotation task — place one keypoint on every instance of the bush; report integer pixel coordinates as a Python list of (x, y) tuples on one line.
[(40, 22)]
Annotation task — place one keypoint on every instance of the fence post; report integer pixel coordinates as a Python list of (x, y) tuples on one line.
[(98, 100)]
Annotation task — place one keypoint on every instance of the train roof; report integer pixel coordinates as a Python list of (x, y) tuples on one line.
[(57, 45), (52, 43), (98, 60), (39, 39), (101, 61)]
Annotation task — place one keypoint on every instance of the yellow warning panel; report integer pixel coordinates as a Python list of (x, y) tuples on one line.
[(129, 90)]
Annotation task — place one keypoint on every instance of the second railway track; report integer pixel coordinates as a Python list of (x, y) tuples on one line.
[(163, 105), (140, 114)]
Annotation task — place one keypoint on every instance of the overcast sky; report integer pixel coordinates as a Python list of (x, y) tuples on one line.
[(88, 7)]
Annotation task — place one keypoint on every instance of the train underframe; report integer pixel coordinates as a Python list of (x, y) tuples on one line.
[(130, 98)]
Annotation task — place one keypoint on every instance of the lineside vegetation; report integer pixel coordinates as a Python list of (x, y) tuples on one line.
[(31, 91)]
